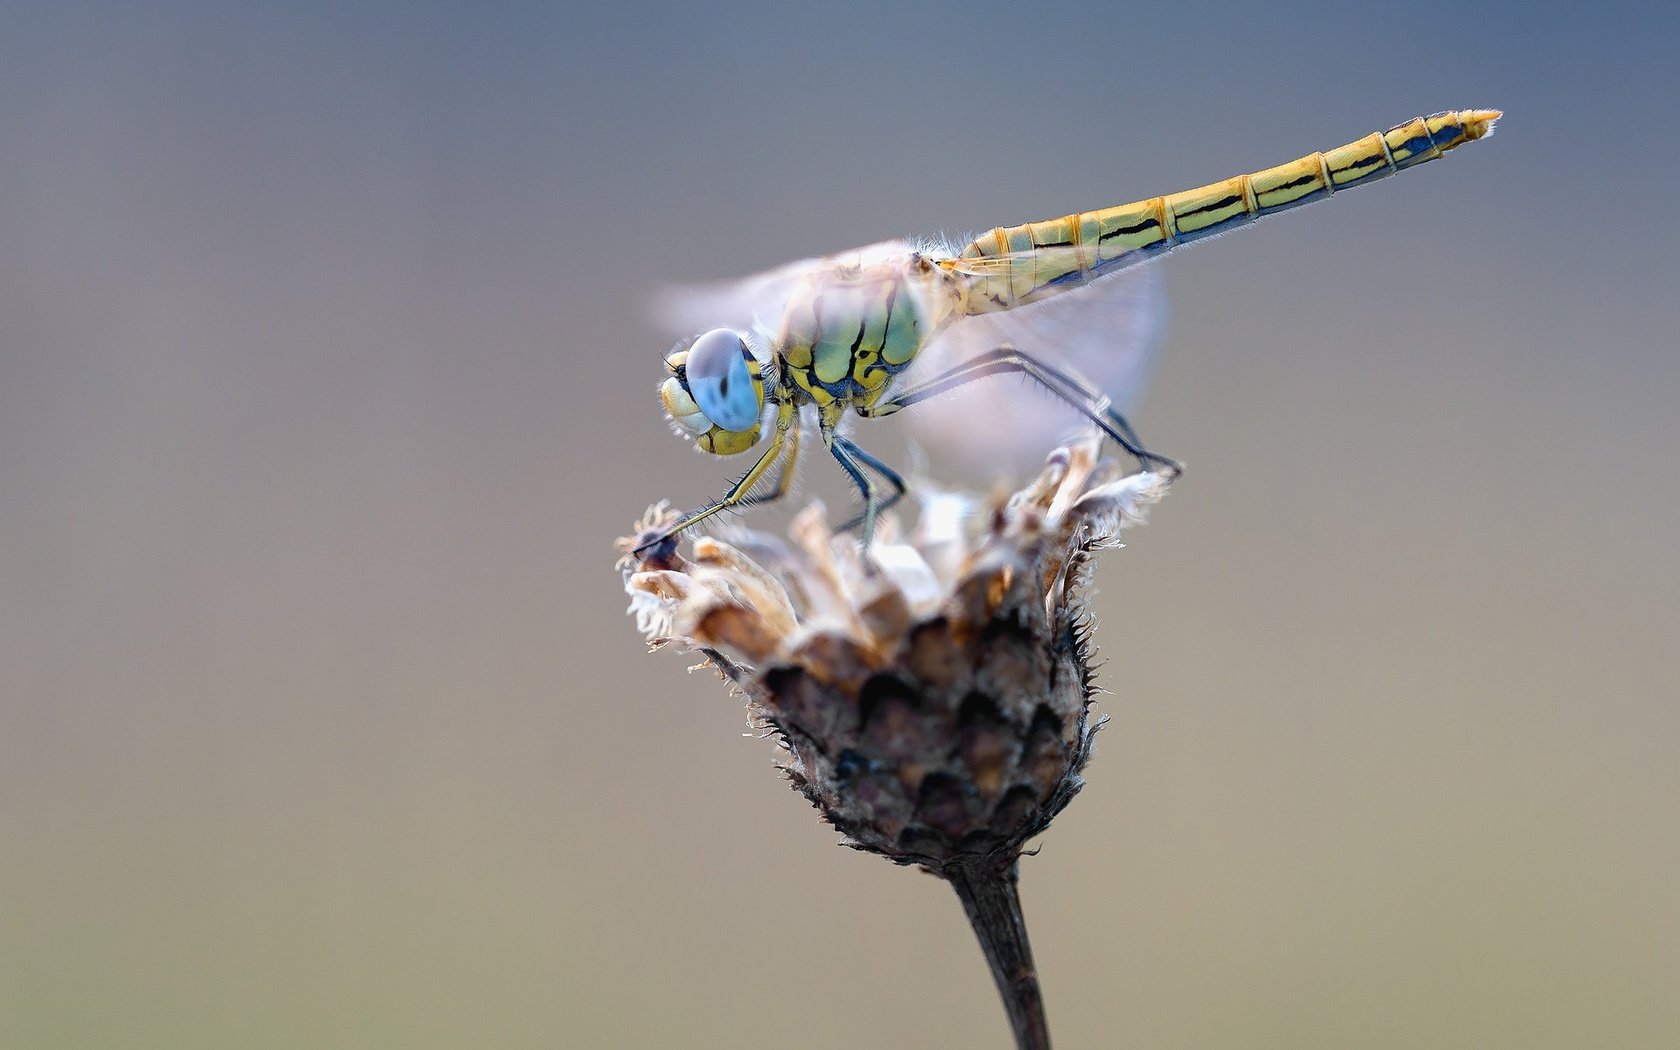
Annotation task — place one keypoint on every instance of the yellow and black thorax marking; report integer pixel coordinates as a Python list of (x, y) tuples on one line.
[(844, 338)]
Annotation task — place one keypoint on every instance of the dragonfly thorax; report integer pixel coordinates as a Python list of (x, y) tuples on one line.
[(849, 330)]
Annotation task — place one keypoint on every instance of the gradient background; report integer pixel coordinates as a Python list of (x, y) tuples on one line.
[(325, 387)]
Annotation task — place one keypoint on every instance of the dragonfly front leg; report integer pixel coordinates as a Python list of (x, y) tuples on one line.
[(1005, 360), (740, 494), (853, 460), (784, 479)]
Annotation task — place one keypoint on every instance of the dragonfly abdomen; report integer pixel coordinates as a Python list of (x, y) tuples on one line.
[(1014, 265)]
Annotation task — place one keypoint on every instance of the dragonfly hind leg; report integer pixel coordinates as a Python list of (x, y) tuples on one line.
[(854, 460), (1005, 360)]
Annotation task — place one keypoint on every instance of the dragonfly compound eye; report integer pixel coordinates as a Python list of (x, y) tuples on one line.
[(723, 378)]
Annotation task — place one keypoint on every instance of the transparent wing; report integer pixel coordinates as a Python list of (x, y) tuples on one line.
[(744, 304), (1106, 332), (756, 302)]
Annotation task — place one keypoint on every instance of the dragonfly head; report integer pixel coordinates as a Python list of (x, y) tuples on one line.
[(715, 392)]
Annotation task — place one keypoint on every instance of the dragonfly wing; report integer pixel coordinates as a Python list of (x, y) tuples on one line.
[(1106, 332), (757, 302), (744, 304)]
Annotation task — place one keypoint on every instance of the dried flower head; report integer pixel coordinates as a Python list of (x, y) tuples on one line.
[(932, 697)]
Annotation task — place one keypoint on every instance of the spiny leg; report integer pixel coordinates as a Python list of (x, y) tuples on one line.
[(1091, 396), (784, 479), (1006, 359), (738, 494), (889, 475), (1001, 360), (1077, 383), (853, 460)]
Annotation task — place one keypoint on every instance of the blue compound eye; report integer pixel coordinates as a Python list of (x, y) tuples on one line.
[(720, 382)]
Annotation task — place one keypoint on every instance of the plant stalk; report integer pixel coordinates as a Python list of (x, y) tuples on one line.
[(987, 889)]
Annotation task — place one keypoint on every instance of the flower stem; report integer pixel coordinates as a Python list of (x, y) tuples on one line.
[(988, 894)]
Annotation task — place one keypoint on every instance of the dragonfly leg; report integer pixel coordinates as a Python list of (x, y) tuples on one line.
[(873, 508), (1006, 360), (1076, 383), (853, 460), (784, 479), (739, 494)]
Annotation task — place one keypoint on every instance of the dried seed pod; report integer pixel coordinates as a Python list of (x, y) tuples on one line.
[(932, 698)]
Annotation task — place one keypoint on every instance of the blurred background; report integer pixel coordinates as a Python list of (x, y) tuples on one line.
[(326, 383)]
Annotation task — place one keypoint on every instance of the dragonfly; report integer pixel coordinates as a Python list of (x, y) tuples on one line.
[(812, 344)]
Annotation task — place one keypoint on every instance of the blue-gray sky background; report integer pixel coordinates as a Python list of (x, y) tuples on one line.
[(325, 385)]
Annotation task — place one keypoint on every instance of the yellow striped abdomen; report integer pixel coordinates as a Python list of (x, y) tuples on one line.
[(1014, 265)]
